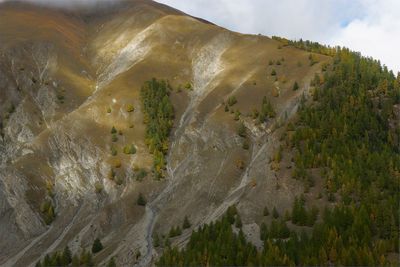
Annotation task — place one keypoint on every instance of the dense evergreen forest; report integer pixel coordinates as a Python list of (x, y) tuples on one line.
[(158, 117), (349, 134)]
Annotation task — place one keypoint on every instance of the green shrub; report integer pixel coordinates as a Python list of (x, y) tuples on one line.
[(237, 115), (114, 151), (130, 149), (130, 108), (98, 187), (188, 86), (142, 173)]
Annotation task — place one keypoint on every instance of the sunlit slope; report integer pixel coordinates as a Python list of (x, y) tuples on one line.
[(69, 77)]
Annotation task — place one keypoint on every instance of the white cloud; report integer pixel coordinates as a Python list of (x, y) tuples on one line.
[(369, 26), (377, 34)]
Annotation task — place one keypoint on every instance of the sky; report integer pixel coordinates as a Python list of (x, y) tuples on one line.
[(371, 27)]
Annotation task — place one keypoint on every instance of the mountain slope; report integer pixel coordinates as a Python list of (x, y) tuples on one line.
[(68, 77)]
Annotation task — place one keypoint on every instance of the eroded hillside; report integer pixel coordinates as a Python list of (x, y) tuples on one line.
[(69, 78)]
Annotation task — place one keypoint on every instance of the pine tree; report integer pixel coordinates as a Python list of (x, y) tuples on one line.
[(111, 263), (295, 86), (275, 213), (263, 231), (83, 257), (66, 256), (238, 222), (241, 130), (89, 259), (156, 241), (50, 215), (141, 201), (75, 260), (186, 223), (265, 211), (113, 130), (97, 245), (47, 261)]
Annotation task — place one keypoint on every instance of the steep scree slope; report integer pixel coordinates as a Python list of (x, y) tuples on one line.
[(67, 77)]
